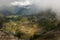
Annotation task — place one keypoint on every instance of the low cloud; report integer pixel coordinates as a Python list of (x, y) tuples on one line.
[(39, 4), (54, 5), (20, 3)]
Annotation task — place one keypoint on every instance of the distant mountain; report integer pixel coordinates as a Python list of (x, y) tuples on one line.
[(22, 10)]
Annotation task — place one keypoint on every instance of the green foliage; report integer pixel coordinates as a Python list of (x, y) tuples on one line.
[(18, 34), (48, 25)]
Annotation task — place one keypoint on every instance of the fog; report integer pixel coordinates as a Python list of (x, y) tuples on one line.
[(40, 4), (46, 4)]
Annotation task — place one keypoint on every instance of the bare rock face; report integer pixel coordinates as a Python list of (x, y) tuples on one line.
[(53, 35), (6, 36)]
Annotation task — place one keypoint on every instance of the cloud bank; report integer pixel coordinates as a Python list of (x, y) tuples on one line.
[(40, 4), (20, 3), (46, 4)]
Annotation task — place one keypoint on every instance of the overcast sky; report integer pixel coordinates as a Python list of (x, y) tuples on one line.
[(40, 3), (5, 2), (44, 4)]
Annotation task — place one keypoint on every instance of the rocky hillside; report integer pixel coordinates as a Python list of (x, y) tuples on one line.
[(41, 26)]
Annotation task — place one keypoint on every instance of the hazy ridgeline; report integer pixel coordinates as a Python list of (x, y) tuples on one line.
[(38, 5)]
